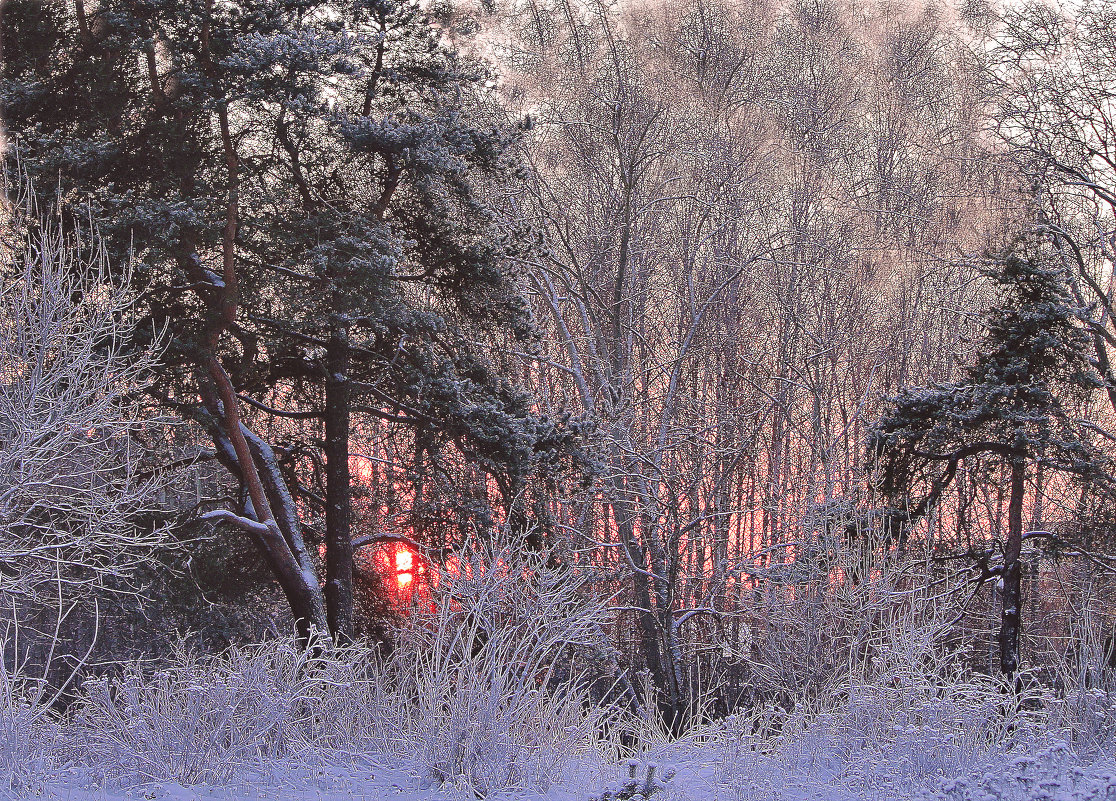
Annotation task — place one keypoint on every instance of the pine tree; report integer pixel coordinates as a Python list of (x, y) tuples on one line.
[(1014, 404), (302, 186)]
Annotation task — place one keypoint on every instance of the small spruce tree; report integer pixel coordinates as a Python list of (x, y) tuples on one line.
[(1015, 404)]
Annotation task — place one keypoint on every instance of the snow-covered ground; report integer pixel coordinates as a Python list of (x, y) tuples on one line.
[(698, 771)]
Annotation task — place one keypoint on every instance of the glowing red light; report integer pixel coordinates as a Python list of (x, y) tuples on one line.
[(404, 563)]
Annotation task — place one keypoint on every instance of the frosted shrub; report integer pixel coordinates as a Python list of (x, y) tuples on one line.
[(216, 718), (347, 705), (901, 711), (1087, 716), (28, 735), (1083, 712), (478, 690), (912, 716), (72, 481), (740, 744), (892, 732), (488, 732), (912, 732), (1051, 774), (30, 729), (488, 702), (201, 719)]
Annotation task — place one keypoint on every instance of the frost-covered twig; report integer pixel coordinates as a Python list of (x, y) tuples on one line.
[(73, 481)]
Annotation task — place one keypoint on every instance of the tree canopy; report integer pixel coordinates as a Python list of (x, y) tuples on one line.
[(301, 186), (1018, 402)]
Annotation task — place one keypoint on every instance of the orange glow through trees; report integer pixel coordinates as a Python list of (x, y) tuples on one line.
[(404, 563)]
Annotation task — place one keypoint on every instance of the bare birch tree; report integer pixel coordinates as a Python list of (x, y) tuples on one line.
[(751, 216)]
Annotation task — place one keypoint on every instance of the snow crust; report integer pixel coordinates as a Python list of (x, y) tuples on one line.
[(1050, 773)]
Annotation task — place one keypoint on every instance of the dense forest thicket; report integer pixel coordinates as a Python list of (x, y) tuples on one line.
[(651, 366)]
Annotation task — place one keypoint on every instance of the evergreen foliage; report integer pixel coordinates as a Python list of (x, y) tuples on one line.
[(1018, 399), (1018, 402), (303, 185)]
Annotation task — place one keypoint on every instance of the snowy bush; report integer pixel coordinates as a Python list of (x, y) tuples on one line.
[(28, 735), (1083, 712), (481, 679), (1086, 716), (73, 482), (1051, 774), (906, 732), (30, 729), (199, 719), (902, 711), (215, 718), (477, 692)]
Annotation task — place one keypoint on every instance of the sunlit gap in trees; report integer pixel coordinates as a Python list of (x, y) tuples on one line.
[(755, 533), (399, 570), (404, 561), (760, 534), (402, 574)]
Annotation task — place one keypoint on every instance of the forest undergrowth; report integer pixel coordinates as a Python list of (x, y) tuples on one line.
[(491, 687)]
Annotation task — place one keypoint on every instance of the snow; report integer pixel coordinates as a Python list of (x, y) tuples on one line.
[(1052, 773)]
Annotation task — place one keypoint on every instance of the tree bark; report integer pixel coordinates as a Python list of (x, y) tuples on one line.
[(1010, 623), (339, 541), (299, 585), (648, 629), (278, 536)]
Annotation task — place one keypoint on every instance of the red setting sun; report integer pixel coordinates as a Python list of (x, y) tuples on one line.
[(404, 562), (401, 573)]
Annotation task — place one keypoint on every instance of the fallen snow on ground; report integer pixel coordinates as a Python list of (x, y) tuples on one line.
[(324, 783), (701, 773)]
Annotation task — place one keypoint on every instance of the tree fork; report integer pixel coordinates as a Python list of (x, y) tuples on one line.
[(651, 639), (299, 586)]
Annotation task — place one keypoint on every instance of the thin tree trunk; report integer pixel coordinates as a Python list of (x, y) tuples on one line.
[(339, 540), (1011, 618), (650, 639)]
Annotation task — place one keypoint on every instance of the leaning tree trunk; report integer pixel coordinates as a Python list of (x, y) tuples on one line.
[(270, 516), (1010, 622)]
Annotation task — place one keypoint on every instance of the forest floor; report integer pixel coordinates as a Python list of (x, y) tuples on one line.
[(702, 773)]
